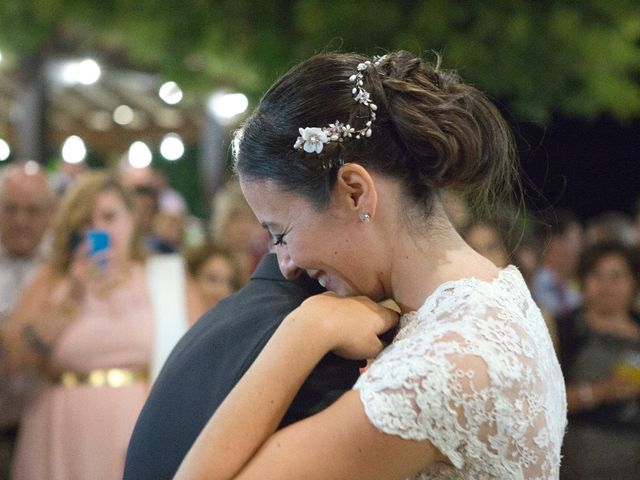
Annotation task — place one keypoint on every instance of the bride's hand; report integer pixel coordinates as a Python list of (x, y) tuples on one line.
[(353, 324)]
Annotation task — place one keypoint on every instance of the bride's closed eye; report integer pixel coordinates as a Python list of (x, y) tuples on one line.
[(278, 239)]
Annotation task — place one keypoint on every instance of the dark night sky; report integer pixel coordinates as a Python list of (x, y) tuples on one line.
[(587, 167)]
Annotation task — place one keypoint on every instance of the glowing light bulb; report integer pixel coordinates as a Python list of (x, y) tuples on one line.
[(225, 106), (5, 150), (123, 115), (172, 147), (170, 93), (139, 155), (74, 150)]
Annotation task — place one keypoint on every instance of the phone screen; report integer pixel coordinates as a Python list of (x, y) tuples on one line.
[(98, 241)]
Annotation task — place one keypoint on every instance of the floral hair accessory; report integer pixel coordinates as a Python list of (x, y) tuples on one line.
[(313, 139)]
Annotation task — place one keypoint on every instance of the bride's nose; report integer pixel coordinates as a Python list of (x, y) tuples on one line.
[(287, 267)]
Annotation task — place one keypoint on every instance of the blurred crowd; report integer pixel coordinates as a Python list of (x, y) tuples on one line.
[(85, 328), (101, 272)]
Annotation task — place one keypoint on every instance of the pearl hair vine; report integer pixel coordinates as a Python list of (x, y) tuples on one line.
[(313, 139)]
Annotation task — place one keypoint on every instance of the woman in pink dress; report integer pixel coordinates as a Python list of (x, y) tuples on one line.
[(89, 324)]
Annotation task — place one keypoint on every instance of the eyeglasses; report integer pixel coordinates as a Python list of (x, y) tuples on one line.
[(31, 210)]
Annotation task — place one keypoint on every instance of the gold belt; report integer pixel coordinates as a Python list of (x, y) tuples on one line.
[(110, 377)]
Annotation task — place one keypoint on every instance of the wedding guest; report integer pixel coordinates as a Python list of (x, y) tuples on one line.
[(234, 227), (216, 272), (97, 326), (26, 205), (144, 183), (552, 283), (600, 357), (174, 227)]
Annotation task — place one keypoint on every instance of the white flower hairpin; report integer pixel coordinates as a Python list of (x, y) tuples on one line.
[(313, 139)]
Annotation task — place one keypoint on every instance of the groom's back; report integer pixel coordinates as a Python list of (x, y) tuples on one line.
[(210, 359)]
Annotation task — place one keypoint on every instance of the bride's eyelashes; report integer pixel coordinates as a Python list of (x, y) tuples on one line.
[(278, 239)]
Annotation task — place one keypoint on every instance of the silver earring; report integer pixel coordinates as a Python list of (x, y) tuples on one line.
[(365, 217)]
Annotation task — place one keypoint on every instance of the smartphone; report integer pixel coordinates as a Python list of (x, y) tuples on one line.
[(74, 242), (98, 241)]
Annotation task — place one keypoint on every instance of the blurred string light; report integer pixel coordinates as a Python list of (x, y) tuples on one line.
[(5, 150), (74, 150), (172, 147), (139, 155), (123, 115), (225, 106), (86, 72), (0, 57), (170, 93)]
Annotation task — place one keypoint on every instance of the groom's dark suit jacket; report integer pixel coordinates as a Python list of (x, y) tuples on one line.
[(210, 359)]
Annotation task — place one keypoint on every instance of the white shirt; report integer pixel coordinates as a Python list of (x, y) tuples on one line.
[(15, 274)]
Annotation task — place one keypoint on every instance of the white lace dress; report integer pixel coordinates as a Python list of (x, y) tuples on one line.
[(474, 372)]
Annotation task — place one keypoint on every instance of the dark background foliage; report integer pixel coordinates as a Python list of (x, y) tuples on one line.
[(567, 73)]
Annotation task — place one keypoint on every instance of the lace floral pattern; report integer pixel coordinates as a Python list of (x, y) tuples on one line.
[(474, 372)]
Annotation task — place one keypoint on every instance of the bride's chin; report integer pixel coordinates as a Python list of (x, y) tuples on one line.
[(344, 290)]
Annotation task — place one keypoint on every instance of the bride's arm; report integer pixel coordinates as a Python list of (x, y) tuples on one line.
[(254, 408), (240, 440)]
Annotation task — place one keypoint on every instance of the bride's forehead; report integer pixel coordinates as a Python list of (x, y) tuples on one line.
[(252, 187), (266, 192), (268, 200)]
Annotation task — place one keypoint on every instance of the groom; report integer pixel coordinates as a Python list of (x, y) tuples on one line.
[(211, 358)]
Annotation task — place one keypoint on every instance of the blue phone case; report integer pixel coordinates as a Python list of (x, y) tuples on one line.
[(98, 241)]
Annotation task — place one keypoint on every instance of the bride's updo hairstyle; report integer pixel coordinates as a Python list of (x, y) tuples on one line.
[(428, 130)]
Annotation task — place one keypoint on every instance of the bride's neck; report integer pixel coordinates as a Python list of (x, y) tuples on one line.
[(423, 261)]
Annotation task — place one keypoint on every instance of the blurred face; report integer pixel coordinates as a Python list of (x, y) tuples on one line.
[(25, 211), (572, 241), (110, 213), (215, 280), (327, 244), (610, 286), (146, 207), (242, 229), (486, 241), (170, 228)]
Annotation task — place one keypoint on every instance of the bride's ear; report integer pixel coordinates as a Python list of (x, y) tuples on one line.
[(356, 189)]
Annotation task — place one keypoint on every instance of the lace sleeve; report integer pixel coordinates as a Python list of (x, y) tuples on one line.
[(473, 386), (420, 397)]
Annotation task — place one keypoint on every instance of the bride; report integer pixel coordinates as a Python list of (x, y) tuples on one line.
[(342, 162)]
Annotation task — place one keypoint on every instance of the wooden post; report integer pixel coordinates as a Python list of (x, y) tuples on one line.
[(30, 110)]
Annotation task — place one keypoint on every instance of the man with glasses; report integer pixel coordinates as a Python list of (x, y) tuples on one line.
[(26, 207)]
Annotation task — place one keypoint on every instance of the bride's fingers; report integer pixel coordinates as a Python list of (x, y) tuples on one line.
[(388, 320)]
